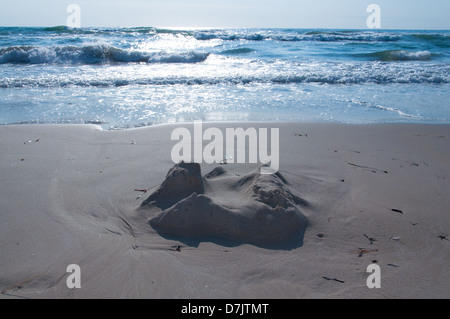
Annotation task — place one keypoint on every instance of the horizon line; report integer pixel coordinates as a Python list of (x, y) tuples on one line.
[(231, 28)]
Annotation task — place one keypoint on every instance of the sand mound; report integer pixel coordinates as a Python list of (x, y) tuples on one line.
[(181, 181), (266, 213)]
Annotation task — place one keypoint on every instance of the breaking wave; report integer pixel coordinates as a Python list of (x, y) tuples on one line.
[(291, 73), (94, 54), (400, 55)]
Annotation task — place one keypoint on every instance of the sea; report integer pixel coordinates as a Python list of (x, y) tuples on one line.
[(123, 78)]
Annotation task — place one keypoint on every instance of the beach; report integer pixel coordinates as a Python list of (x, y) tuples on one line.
[(234, 163), (367, 194)]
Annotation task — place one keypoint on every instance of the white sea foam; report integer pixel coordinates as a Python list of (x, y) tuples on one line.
[(92, 54)]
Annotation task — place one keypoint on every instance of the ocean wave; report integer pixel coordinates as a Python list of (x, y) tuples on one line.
[(59, 28), (331, 74), (357, 36), (431, 36), (297, 35), (440, 38), (437, 40), (228, 36), (94, 54), (188, 57), (284, 35), (399, 55), (395, 110), (238, 51)]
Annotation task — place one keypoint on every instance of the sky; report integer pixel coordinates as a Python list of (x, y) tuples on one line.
[(340, 14)]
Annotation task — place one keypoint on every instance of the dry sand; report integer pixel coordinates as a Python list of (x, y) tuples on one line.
[(357, 195)]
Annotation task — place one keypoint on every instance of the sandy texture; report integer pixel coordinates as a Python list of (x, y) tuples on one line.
[(265, 215), (361, 194)]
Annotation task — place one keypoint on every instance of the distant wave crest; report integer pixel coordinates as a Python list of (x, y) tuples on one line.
[(295, 36), (401, 55)]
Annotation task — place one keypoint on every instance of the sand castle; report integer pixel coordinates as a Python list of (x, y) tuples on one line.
[(266, 213)]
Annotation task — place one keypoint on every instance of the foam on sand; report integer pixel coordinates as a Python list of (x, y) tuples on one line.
[(266, 212)]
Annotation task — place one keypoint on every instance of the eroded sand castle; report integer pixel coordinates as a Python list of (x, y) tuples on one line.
[(255, 209)]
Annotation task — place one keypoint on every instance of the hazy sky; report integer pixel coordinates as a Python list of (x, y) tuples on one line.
[(346, 14)]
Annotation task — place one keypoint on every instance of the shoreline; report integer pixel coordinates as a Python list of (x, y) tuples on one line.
[(221, 125), (371, 193)]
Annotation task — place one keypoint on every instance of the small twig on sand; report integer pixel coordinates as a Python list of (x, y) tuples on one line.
[(334, 279), (363, 251), (20, 283), (140, 190), (143, 191), (373, 170), (370, 239)]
